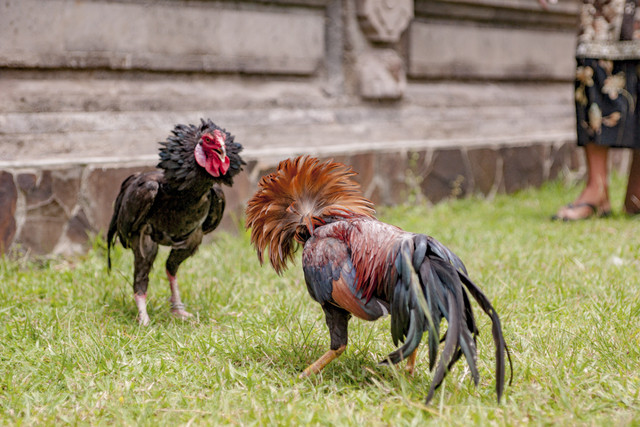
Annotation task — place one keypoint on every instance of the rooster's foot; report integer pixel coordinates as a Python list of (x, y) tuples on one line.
[(143, 319), (141, 303), (181, 314), (324, 360), (178, 311), (411, 363)]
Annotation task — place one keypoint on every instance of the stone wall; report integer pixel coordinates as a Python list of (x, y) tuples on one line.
[(59, 208), (426, 98)]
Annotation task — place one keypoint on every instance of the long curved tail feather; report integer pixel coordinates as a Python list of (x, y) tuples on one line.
[(431, 286), (496, 330)]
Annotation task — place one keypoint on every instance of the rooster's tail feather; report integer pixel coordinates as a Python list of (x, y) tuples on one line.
[(429, 288), (496, 330), (111, 234), (113, 224)]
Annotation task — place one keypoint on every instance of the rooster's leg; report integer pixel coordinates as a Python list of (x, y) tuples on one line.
[(144, 252), (337, 320), (141, 303), (177, 306), (411, 362), (173, 263)]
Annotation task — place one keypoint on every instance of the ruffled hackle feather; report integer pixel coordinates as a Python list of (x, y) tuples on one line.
[(178, 161), (299, 196)]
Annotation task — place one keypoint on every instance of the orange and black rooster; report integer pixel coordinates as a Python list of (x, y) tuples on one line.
[(174, 206), (356, 265)]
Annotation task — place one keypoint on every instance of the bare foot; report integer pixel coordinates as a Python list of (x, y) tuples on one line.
[(589, 204), (578, 211)]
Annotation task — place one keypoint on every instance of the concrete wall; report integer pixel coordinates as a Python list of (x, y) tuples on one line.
[(429, 98), (162, 36)]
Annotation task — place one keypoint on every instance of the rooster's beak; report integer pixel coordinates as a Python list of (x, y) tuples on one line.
[(222, 153)]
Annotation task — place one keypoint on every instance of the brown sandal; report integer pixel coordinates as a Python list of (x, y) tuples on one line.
[(595, 211)]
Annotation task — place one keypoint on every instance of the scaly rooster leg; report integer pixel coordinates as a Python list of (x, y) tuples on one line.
[(323, 361), (141, 303), (337, 320), (177, 307), (144, 252), (411, 362), (176, 256)]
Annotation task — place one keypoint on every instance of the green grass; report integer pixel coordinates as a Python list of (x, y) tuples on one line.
[(568, 295)]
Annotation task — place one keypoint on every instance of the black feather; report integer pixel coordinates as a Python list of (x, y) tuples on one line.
[(420, 302), (178, 161), (174, 205), (448, 352), (496, 330)]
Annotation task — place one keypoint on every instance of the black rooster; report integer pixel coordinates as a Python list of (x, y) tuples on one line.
[(174, 206)]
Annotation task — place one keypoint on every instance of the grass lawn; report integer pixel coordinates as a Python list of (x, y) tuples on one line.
[(568, 295)]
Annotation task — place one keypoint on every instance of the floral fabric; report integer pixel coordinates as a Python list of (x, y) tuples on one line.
[(609, 29), (606, 99)]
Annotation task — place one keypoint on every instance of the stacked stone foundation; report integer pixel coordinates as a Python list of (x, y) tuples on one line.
[(60, 209)]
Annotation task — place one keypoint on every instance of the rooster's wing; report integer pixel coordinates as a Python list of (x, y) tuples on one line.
[(331, 277), (216, 209), (137, 194)]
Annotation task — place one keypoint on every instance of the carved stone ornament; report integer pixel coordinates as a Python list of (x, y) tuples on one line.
[(381, 75), (384, 20)]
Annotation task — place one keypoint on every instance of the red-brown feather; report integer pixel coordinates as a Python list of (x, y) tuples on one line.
[(301, 194), (374, 246)]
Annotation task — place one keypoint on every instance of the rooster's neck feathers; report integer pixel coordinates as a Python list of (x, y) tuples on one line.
[(179, 164), (299, 196)]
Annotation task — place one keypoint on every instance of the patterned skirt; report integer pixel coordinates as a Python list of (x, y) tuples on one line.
[(606, 102)]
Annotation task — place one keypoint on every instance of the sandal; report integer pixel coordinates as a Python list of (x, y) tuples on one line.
[(595, 211)]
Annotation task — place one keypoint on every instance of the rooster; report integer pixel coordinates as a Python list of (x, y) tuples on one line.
[(356, 265), (174, 206)]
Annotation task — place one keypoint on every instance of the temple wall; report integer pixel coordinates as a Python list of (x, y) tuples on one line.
[(427, 99)]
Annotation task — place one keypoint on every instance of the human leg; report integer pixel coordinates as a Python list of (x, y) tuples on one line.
[(594, 198), (632, 198)]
